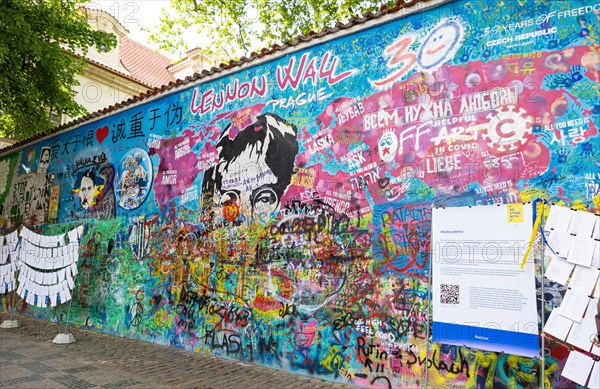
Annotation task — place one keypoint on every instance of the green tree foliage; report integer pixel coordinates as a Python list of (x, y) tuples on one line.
[(242, 26), (39, 40)]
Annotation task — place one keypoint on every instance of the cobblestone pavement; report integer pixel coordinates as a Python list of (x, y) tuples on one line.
[(29, 359)]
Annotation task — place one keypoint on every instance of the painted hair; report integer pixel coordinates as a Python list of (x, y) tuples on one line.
[(91, 174), (269, 136)]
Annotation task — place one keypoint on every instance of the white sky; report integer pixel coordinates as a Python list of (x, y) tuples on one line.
[(133, 13)]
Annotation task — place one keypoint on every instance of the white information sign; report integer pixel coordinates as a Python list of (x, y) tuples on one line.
[(481, 297)]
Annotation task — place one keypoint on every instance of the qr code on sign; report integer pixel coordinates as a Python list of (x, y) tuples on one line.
[(449, 294)]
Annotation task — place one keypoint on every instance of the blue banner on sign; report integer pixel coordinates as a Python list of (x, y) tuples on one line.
[(487, 338)]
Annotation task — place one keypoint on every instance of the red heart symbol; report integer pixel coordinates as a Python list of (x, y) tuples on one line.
[(101, 134)]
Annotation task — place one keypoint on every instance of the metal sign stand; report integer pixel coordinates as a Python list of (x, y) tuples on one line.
[(66, 337), (12, 322)]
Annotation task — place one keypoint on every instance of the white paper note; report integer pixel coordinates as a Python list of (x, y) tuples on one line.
[(53, 300), (582, 334), (559, 270), (559, 219), (70, 281), (74, 270), (39, 277), (560, 242), (596, 234), (558, 325), (581, 251), (584, 279), (594, 382), (72, 235), (67, 294), (578, 367), (596, 256), (574, 304)]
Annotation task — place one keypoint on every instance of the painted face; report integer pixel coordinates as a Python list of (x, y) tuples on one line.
[(440, 45), (248, 187), (44, 160), (388, 145), (86, 192)]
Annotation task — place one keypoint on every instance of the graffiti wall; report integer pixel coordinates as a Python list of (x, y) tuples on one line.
[(280, 214)]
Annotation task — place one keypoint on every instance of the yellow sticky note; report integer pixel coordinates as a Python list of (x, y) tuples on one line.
[(515, 213)]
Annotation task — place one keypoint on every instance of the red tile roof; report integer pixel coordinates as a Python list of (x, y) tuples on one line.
[(265, 52), (144, 64), (106, 67)]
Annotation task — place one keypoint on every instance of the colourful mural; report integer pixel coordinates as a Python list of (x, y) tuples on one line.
[(281, 214)]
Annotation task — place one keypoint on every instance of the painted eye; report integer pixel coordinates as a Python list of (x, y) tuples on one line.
[(264, 197), (441, 36), (229, 197), (434, 39)]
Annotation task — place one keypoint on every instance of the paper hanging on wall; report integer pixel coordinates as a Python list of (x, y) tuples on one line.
[(559, 270), (582, 333), (582, 224), (560, 242), (559, 219), (53, 300), (584, 279), (594, 382), (43, 271), (596, 256), (67, 294), (581, 251), (558, 325), (70, 282), (578, 367), (573, 305), (35, 239)]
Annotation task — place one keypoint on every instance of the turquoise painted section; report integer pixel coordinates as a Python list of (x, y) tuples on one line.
[(281, 215)]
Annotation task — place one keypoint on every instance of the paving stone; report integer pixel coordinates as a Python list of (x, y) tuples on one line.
[(73, 382), (11, 355), (100, 360), (121, 384), (81, 369), (21, 380), (38, 367), (49, 356)]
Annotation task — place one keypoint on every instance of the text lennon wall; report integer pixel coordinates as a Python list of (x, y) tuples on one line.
[(281, 214)]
